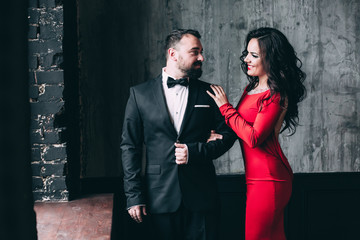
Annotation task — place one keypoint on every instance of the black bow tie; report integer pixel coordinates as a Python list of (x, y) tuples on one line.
[(172, 82)]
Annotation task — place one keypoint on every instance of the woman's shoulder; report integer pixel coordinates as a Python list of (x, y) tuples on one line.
[(272, 98)]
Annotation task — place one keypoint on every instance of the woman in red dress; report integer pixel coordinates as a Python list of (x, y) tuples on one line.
[(268, 106)]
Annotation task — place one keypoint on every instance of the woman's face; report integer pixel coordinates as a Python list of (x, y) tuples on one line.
[(254, 60)]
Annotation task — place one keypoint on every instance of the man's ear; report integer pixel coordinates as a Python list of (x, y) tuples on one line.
[(172, 54)]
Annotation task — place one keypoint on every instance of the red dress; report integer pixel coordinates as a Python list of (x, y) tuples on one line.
[(267, 171)]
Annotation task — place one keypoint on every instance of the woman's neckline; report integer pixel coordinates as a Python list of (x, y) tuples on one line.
[(257, 91)]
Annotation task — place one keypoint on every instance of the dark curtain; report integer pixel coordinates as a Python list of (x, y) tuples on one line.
[(17, 216)]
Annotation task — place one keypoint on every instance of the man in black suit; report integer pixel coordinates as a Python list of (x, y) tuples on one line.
[(172, 115)]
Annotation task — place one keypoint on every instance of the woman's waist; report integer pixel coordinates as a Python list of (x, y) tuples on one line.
[(267, 168), (286, 178), (279, 174)]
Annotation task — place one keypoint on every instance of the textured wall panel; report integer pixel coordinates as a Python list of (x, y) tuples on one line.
[(326, 37)]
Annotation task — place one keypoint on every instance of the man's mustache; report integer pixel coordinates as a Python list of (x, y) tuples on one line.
[(198, 63)]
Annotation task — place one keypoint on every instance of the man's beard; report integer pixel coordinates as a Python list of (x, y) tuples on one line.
[(193, 72)]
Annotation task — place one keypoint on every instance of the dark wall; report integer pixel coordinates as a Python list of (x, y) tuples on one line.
[(112, 46), (71, 96), (17, 217), (322, 207)]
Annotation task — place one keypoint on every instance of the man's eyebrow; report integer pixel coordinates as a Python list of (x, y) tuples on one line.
[(196, 48)]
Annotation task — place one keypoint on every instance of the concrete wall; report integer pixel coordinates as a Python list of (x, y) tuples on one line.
[(326, 37)]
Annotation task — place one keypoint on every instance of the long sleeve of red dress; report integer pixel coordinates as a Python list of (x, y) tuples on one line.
[(254, 133)]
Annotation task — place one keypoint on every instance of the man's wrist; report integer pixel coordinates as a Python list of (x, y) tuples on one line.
[(144, 205)]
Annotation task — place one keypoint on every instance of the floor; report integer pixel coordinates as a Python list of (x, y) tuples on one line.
[(88, 218)]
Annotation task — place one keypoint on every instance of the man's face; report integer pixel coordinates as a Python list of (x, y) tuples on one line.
[(189, 56)]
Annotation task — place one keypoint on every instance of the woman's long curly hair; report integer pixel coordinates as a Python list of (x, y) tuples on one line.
[(283, 69)]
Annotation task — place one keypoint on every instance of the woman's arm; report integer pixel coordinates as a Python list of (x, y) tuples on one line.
[(264, 123)]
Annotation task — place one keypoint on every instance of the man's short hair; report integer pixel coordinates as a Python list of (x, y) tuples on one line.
[(176, 35)]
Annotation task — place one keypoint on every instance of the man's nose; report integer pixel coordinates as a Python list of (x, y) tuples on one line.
[(200, 57)]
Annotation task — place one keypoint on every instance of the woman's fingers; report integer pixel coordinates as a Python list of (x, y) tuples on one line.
[(218, 90), (210, 94), (221, 90), (214, 88)]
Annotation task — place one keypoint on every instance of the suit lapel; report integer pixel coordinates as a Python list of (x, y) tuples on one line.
[(193, 94), (159, 96)]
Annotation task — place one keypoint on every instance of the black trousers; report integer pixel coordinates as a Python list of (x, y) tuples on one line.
[(185, 225)]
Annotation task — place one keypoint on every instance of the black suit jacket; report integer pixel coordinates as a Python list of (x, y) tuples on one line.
[(165, 184)]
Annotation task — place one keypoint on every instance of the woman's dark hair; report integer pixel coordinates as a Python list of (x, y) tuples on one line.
[(283, 69)]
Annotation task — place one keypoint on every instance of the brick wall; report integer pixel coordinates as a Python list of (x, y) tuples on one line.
[(46, 86)]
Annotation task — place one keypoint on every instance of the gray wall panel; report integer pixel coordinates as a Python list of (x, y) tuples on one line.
[(325, 35)]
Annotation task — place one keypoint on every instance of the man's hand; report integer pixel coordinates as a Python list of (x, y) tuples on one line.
[(136, 212), (214, 136), (181, 153)]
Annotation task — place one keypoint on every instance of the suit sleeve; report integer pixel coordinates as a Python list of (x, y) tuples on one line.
[(202, 151), (131, 146), (263, 126)]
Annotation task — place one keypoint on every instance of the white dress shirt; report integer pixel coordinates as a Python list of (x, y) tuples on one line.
[(176, 100)]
